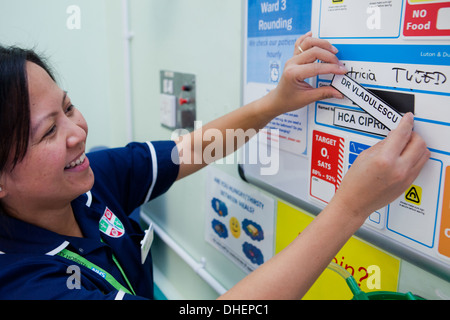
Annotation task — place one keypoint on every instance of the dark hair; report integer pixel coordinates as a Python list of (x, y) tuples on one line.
[(15, 103)]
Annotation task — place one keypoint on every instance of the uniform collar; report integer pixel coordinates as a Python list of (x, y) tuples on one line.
[(17, 236)]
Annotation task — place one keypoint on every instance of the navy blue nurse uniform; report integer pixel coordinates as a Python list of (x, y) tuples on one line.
[(31, 266)]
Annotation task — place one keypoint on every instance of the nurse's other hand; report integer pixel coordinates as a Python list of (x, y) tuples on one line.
[(383, 172)]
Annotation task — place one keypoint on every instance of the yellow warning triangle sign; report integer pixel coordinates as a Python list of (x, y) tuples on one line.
[(414, 194)]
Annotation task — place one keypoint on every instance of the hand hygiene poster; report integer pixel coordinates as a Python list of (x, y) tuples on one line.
[(272, 28), (239, 220)]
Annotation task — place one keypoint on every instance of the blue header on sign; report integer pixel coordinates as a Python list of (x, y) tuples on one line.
[(278, 17)]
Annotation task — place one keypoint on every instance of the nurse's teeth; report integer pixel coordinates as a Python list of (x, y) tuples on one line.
[(76, 162)]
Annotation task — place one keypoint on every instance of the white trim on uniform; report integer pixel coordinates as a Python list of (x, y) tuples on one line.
[(89, 199), (155, 170), (58, 249), (120, 295)]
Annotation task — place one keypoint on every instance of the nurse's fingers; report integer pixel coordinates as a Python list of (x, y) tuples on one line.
[(305, 71), (415, 152), (297, 47), (322, 93), (419, 163), (314, 54), (397, 139), (306, 42)]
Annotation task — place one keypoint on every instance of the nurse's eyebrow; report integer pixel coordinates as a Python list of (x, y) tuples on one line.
[(64, 98), (48, 116)]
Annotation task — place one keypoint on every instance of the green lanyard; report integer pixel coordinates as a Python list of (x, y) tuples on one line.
[(108, 277)]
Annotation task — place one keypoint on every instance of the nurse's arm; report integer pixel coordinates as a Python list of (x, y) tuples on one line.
[(226, 134), (377, 177)]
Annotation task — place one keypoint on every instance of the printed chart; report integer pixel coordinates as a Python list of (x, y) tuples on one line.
[(398, 51)]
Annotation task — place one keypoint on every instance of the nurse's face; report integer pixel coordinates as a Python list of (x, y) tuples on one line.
[(55, 169)]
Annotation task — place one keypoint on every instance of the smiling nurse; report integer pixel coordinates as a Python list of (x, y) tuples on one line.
[(64, 226), (55, 169)]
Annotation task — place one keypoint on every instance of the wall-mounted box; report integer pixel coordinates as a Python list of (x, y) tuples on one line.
[(178, 103)]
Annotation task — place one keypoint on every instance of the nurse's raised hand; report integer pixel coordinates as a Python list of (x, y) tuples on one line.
[(312, 57)]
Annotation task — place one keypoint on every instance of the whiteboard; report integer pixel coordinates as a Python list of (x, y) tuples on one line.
[(399, 50)]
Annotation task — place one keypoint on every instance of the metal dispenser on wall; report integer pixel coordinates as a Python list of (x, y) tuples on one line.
[(178, 103)]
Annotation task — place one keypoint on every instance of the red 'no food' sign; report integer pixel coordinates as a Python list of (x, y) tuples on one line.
[(426, 19)]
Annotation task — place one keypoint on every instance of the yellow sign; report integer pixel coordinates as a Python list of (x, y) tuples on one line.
[(373, 269), (414, 195)]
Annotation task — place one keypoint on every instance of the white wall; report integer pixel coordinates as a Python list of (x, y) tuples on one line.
[(81, 57), (203, 38)]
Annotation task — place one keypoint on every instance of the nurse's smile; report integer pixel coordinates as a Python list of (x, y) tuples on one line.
[(80, 164)]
